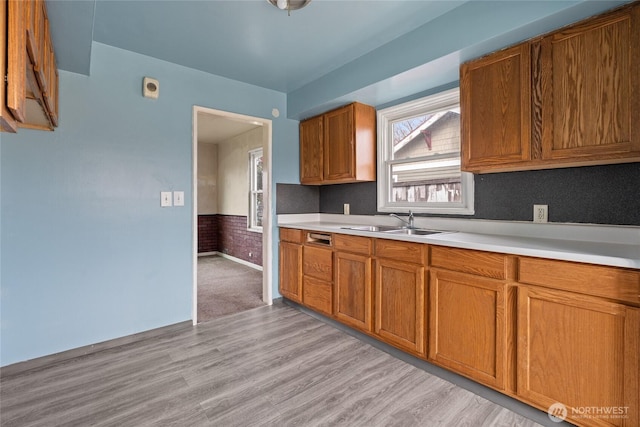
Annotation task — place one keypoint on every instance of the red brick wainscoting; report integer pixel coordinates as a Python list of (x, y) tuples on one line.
[(228, 234), (207, 233)]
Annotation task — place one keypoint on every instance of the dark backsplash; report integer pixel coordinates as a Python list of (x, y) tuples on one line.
[(594, 194), (297, 199)]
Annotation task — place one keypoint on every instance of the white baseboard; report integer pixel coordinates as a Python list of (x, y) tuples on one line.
[(232, 258), (208, 253)]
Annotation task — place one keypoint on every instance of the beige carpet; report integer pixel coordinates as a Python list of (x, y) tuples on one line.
[(226, 287)]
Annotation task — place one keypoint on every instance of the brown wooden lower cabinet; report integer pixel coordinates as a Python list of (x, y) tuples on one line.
[(317, 262), (400, 314), (542, 331), (468, 330), (353, 290), (291, 271), (580, 351), (317, 294), (317, 278)]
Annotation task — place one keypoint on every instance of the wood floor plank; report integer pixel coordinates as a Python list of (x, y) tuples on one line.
[(270, 366)]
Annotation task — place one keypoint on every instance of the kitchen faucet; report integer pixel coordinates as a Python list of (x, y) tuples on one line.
[(409, 222)]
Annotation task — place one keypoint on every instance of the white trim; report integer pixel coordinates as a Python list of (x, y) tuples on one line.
[(208, 253), (430, 104), (252, 182), (240, 261), (267, 238)]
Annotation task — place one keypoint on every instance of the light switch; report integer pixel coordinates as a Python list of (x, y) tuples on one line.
[(165, 199), (178, 198)]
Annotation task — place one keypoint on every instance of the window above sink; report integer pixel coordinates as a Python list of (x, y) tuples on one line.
[(419, 157)]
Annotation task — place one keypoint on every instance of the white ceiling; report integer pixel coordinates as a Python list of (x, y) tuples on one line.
[(215, 129)]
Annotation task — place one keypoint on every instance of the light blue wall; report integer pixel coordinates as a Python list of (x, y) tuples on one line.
[(87, 254), (430, 55)]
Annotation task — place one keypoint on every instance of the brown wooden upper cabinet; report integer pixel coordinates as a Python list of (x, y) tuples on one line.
[(339, 146), (495, 109), (568, 98), (30, 97)]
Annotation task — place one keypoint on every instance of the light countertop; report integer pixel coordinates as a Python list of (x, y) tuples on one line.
[(604, 245)]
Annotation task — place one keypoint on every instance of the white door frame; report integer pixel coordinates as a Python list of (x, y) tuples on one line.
[(267, 256)]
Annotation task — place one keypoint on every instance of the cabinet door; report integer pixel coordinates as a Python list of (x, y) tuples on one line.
[(7, 122), (17, 60), (580, 351), (400, 314), (353, 289), (318, 263), (339, 163), (291, 271), (468, 331), (590, 107), (311, 150), (495, 110), (317, 294)]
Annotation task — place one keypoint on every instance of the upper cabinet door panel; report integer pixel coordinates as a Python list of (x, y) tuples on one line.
[(591, 106), (16, 60), (495, 104), (339, 144), (7, 122), (311, 136)]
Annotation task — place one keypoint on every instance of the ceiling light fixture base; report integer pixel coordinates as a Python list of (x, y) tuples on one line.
[(289, 5)]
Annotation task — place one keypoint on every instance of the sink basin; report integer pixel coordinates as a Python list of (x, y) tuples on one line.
[(413, 231), (393, 230), (378, 228)]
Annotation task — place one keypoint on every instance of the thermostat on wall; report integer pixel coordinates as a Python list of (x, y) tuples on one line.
[(150, 88)]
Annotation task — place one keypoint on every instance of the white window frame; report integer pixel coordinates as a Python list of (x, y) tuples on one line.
[(253, 191), (386, 117)]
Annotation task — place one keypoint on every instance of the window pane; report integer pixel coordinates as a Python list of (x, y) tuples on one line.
[(447, 192), (427, 181), (259, 207), (427, 135), (258, 172)]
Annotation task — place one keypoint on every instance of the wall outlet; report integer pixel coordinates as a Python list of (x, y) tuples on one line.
[(540, 213), (347, 209)]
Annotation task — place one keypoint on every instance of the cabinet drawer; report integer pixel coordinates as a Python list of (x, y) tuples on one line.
[(291, 235), (317, 294), (354, 244), (405, 251), (317, 263), (608, 282), (480, 263)]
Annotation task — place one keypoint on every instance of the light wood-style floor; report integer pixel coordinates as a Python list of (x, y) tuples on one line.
[(270, 366)]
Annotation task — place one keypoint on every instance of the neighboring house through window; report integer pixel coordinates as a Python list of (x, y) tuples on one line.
[(419, 157), (256, 206)]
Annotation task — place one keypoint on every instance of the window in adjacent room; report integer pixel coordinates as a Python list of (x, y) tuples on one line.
[(419, 157), (256, 205)]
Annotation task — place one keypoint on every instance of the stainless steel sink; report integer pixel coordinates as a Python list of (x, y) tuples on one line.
[(377, 228), (413, 231), (394, 230)]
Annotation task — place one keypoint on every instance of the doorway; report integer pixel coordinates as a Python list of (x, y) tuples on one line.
[(220, 127)]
